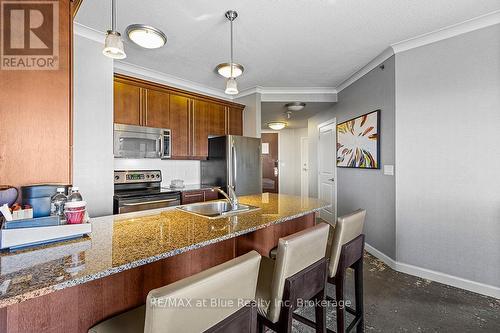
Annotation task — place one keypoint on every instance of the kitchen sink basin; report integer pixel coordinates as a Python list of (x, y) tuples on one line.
[(216, 209)]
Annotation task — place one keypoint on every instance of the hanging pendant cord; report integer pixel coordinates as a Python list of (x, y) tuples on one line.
[(231, 63), (113, 15)]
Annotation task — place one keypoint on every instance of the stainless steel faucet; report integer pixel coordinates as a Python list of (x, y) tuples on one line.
[(231, 198)]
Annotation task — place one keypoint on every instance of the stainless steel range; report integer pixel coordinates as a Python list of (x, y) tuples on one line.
[(137, 190)]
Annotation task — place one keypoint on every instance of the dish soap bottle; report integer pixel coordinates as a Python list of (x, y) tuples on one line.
[(57, 203)]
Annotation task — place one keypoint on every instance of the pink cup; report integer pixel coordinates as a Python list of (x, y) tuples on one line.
[(74, 212)]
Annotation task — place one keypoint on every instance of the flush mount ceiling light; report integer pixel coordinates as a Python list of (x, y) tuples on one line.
[(276, 125), (295, 106), (113, 45), (225, 70), (146, 36), (230, 70)]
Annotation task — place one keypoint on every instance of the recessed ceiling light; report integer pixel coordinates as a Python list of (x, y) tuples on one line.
[(146, 36), (276, 125), (225, 70), (295, 106)]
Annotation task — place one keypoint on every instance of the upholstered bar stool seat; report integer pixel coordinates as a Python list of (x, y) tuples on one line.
[(232, 284), (299, 272), (345, 250)]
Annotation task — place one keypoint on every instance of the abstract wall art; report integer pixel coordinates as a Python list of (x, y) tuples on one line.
[(358, 142)]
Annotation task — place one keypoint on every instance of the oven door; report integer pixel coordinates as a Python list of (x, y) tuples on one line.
[(149, 202), (137, 142)]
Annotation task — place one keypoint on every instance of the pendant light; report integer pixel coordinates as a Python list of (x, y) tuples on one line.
[(231, 84), (113, 45)]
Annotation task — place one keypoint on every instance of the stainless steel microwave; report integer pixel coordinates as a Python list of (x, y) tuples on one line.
[(141, 142)]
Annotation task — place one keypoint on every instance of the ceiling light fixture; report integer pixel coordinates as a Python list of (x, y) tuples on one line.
[(276, 125), (295, 106), (230, 70), (113, 45), (225, 70), (146, 36)]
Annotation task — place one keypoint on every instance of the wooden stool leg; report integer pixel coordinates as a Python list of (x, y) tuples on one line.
[(260, 324), (320, 312), (358, 290), (339, 296)]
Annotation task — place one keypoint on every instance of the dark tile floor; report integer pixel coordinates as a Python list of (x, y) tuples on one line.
[(397, 302)]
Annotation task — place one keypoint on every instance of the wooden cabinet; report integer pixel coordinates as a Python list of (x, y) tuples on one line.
[(180, 109), (157, 108), (234, 121), (189, 197), (191, 117), (211, 195), (140, 106), (127, 103)]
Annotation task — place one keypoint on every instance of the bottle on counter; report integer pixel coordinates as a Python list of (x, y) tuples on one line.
[(75, 195), (57, 203)]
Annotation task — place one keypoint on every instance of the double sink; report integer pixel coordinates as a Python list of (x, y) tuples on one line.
[(216, 209)]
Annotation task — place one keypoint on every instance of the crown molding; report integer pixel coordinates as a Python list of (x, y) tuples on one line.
[(386, 54), (473, 24), (461, 28), (325, 94), (129, 69), (89, 33)]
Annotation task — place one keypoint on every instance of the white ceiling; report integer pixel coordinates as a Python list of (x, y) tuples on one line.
[(281, 43), (275, 111)]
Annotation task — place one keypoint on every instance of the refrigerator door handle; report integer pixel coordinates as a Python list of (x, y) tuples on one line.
[(234, 166)]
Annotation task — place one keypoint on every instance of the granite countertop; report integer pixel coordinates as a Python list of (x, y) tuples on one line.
[(122, 242)]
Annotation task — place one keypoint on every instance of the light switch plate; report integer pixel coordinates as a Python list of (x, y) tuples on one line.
[(389, 170)]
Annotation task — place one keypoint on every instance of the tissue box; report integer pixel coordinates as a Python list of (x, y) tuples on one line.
[(22, 214)]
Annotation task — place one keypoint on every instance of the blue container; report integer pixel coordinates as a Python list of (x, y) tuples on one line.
[(38, 197)]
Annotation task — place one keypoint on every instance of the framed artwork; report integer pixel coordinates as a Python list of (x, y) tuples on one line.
[(358, 142)]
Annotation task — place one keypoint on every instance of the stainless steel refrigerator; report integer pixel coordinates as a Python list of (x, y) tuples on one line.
[(233, 160)]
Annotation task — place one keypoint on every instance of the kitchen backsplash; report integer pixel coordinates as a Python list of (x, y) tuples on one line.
[(189, 171)]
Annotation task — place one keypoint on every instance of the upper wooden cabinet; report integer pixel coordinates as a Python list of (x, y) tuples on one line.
[(127, 103), (191, 117), (180, 109), (234, 121), (157, 108)]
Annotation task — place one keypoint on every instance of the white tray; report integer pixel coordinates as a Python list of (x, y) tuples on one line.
[(22, 237)]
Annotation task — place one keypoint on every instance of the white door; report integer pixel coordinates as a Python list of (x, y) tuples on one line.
[(304, 167), (327, 169)]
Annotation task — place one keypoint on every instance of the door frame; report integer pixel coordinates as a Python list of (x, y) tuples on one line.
[(279, 156), (332, 121), (302, 139)]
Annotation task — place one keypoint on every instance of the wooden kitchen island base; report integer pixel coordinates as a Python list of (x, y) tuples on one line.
[(78, 308)]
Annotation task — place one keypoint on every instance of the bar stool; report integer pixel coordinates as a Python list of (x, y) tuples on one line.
[(298, 273), (231, 281), (345, 250)]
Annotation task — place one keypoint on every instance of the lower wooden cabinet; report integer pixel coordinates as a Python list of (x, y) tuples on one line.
[(189, 197)]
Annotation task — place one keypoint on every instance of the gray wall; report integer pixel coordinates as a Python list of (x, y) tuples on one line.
[(448, 156), (371, 189), (93, 126)]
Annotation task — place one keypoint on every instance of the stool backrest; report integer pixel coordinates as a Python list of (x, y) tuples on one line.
[(177, 307), (347, 228), (295, 252)]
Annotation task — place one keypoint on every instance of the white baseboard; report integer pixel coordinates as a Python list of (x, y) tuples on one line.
[(440, 277), (376, 253)]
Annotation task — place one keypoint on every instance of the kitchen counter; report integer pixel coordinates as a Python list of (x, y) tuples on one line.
[(189, 188), (122, 242)]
